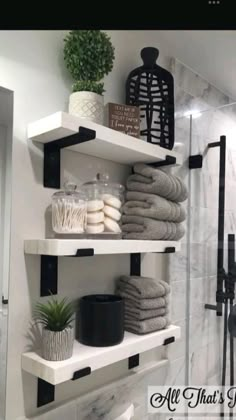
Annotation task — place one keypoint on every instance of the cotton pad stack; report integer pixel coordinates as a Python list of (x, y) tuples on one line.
[(112, 214), (104, 214), (146, 303), (95, 216)]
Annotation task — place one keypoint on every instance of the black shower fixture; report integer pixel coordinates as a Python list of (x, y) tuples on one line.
[(232, 322)]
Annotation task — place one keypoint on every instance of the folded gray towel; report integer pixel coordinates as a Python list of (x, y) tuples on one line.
[(147, 326), (138, 227), (153, 206), (141, 315), (143, 287), (143, 304), (156, 181)]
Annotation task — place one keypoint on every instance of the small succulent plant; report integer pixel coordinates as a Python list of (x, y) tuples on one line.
[(54, 315)]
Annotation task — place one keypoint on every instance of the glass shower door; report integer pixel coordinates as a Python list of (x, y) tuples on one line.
[(206, 329)]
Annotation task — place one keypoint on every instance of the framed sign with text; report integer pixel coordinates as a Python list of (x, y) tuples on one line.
[(124, 118)]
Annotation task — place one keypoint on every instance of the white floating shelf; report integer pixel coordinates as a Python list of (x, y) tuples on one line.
[(67, 247), (94, 357), (109, 144)]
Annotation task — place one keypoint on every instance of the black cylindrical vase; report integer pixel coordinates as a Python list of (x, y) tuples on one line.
[(101, 320)]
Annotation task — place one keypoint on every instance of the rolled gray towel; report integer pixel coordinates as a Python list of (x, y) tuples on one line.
[(138, 227), (143, 304), (141, 315), (153, 206), (143, 287), (147, 326), (156, 181)]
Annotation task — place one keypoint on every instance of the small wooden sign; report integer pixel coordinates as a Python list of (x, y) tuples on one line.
[(124, 118)]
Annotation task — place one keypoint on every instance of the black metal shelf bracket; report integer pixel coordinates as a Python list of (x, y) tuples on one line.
[(133, 361), (169, 340), (169, 160), (169, 250), (52, 155), (49, 271), (81, 373), (135, 264), (46, 393), (195, 161), (4, 301)]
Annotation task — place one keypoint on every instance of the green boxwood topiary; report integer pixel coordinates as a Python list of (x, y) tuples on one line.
[(89, 56)]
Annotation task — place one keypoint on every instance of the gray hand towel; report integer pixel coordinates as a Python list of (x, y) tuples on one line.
[(153, 206), (138, 227), (141, 315), (156, 181), (147, 326), (143, 287), (143, 304)]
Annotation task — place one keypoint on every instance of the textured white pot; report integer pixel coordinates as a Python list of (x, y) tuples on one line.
[(57, 345), (87, 105)]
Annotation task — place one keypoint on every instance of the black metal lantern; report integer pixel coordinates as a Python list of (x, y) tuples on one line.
[(152, 89)]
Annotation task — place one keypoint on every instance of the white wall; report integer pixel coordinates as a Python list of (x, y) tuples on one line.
[(32, 66)]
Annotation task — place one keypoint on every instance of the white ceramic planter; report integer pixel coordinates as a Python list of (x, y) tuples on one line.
[(57, 345), (88, 105)]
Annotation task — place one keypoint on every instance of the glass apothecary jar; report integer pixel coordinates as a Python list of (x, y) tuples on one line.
[(69, 210), (104, 204)]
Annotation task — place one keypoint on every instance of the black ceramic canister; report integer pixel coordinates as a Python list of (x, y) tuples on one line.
[(101, 320)]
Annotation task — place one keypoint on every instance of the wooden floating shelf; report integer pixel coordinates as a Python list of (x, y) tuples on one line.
[(108, 144), (94, 357), (69, 247)]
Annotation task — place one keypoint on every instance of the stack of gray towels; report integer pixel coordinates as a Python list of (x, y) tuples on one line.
[(152, 210), (146, 303)]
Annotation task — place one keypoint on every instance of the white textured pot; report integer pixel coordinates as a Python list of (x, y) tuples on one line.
[(57, 345), (87, 105)]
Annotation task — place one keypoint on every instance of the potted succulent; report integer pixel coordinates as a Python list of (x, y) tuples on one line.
[(56, 317), (89, 56)]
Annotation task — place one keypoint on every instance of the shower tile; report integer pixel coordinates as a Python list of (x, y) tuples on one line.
[(231, 163), (203, 260), (230, 196), (177, 265), (186, 103), (203, 225), (204, 189), (178, 349), (204, 329), (202, 290), (230, 222), (196, 86), (178, 299), (205, 363)]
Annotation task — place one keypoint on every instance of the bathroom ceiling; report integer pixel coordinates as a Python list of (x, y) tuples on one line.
[(212, 54)]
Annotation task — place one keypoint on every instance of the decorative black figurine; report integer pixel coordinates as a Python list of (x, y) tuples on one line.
[(152, 89)]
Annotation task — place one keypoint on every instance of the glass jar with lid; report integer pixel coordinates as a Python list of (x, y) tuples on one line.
[(105, 199), (69, 210)]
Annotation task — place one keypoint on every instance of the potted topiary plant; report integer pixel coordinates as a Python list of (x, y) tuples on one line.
[(89, 56), (56, 318)]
